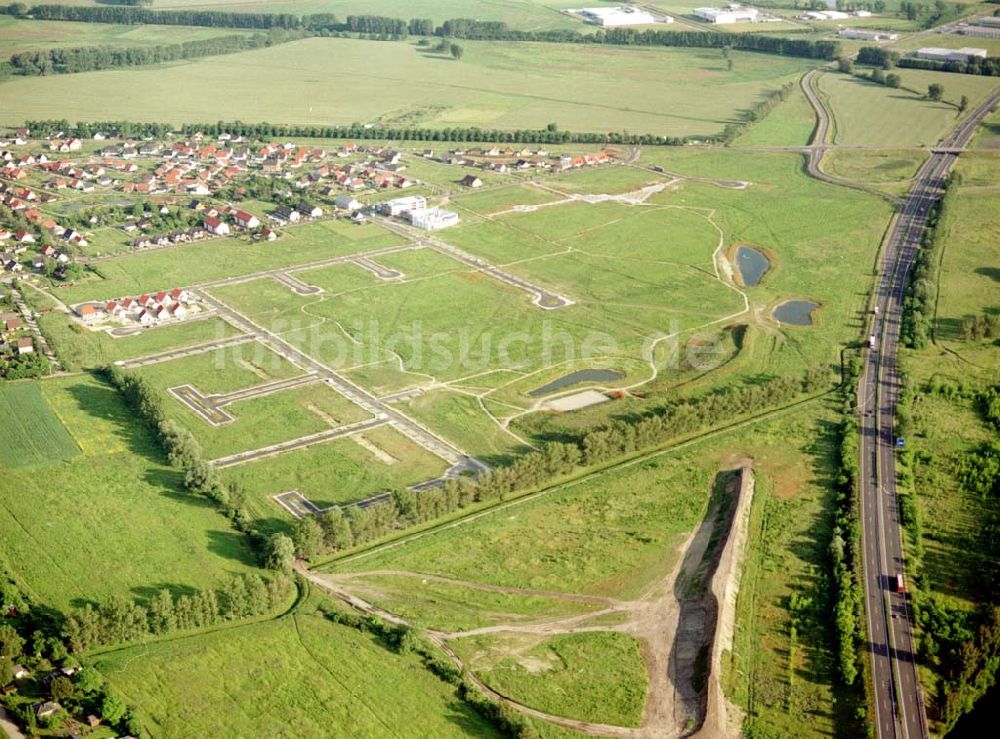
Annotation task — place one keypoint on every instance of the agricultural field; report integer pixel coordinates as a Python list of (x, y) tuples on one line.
[(32, 433), (385, 80), (866, 113), (300, 670), (113, 516), (17, 35)]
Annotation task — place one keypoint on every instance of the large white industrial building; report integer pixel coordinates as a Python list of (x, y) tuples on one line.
[(401, 206), (935, 54), (728, 14), (620, 16), (433, 219), (862, 34)]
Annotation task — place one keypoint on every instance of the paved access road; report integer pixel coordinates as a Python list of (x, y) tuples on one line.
[(898, 699)]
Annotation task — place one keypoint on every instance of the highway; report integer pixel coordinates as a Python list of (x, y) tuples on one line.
[(899, 707)]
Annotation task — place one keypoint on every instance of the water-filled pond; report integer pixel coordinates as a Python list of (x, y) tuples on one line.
[(752, 264), (587, 375), (795, 312)]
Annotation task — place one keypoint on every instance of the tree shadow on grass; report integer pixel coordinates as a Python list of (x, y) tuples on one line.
[(145, 593), (103, 401)]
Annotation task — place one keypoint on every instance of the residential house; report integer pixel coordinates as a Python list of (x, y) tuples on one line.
[(26, 346), (245, 220), (309, 210), (470, 180), (215, 226)]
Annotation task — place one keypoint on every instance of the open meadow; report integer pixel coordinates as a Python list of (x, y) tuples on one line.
[(576, 556), (866, 113), (18, 35), (299, 675), (109, 519), (677, 92)]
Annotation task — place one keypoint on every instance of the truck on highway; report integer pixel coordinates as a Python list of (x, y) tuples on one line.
[(900, 587), (871, 341)]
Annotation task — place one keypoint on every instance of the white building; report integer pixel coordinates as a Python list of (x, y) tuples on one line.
[(399, 206), (346, 202), (825, 15), (935, 54), (433, 219), (862, 34), (728, 14), (617, 17)]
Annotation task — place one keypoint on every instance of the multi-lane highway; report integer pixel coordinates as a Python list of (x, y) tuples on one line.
[(898, 701)]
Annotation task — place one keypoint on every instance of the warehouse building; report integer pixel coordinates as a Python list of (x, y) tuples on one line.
[(728, 14), (617, 17), (433, 219), (861, 34), (934, 54)]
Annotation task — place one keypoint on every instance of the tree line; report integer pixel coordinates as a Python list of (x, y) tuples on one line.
[(961, 645), (921, 288), (461, 28), (845, 541), (89, 58), (119, 620), (756, 113), (357, 131), (877, 56), (343, 528)]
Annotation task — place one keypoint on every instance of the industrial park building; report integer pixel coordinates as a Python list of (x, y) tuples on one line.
[(935, 54), (621, 16), (861, 34), (433, 219), (728, 14)]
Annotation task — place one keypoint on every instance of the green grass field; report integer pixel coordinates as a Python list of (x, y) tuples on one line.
[(609, 536), (868, 114), (112, 520), (31, 433), (300, 675), (456, 606), (17, 35), (597, 677), (336, 472), (193, 264), (667, 91), (883, 167)]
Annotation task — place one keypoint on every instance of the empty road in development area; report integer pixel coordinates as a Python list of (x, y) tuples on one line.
[(899, 706)]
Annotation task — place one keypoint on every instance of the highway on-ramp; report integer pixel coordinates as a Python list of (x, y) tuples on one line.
[(899, 707)]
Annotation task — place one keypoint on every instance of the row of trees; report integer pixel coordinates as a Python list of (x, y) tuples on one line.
[(339, 529), (960, 645), (921, 289), (879, 56), (845, 541), (988, 67), (757, 112), (264, 130), (88, 58), (119, 620)]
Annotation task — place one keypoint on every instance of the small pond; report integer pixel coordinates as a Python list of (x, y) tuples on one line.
[(587, 375), (795, 312), (752, 264)]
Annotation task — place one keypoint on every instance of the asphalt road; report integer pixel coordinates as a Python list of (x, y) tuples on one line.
[(898, 699)]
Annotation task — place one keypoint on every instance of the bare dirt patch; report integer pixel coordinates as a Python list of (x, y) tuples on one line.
[(378, 452)]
